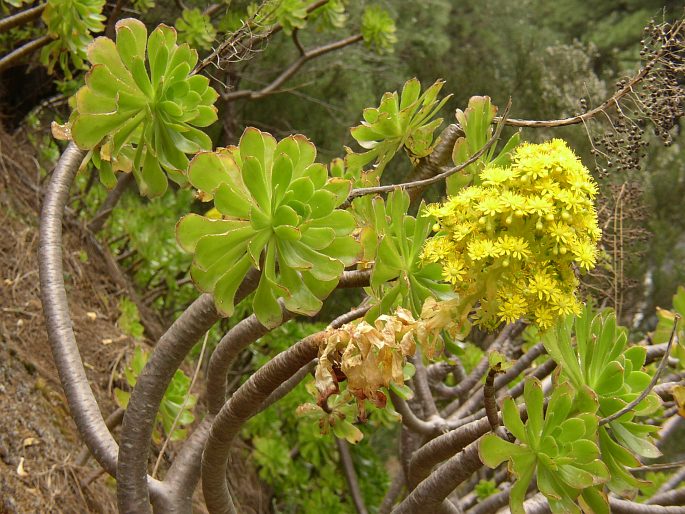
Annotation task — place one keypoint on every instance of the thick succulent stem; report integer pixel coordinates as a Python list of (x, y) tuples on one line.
[(244, 404), (235, 341), (146, 397), (433, 491), (82, 404)]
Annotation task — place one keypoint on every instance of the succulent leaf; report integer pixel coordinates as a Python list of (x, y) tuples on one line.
[(196, 29), (404, 120), (279, 215), (566, 465), (476, 122), (378, 29), (399, 241), (71, 23), (141, 121), (601, 362)]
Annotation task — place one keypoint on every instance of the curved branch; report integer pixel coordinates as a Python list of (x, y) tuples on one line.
[(146, 397), (244, 404), (433, 491), (291, 70), (112, 421), (627, 507), (489, 401), (250, 399), (443, 447), (184, 472), (21, 17), (413, 422), (82, 404), (25, 50), (363, 191), (287, 386), (239, 337)]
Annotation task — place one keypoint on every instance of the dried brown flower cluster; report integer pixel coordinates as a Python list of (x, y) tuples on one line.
[(370, 357)]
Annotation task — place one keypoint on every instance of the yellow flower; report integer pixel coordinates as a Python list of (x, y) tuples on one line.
[(516, 247), (542, 285), (585, 255), (566, 304), (539, 205), (493, 175), (454, 270), (512, 308), (490, 205), (482, 249), (560, 232)]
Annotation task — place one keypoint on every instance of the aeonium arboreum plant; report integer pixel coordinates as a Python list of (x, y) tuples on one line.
[(558, 445), (399, 121), (477, 123), (604, 368), (394, 240), (279, 215), (141, 106)]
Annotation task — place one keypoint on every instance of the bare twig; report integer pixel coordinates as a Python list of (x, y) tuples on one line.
[(652, 383), (21, 17), (350, 475), (294, 67), (581, 118), (228, 44), (15, 56), (363, 191), (183, 406)]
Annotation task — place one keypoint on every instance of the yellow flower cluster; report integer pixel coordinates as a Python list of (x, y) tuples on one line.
[(510, 242)]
